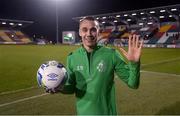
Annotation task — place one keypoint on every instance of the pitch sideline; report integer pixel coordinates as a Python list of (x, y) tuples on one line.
[(163, 61), (160, 73), (24, 99), (19, 90)]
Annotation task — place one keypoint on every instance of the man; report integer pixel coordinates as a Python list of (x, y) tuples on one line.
[(91, 71)]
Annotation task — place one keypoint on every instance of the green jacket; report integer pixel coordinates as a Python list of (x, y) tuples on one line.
[(91, 78)]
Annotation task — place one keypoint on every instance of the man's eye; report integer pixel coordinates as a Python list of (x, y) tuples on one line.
[(93, 29), (84, 30)]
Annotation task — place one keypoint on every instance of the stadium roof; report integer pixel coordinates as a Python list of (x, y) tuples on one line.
[(169, 13), (14, 23)]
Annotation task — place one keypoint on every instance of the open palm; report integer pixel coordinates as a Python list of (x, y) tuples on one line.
[(134, 48)]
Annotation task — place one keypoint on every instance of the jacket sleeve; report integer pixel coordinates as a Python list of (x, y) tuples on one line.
[(128, 72), (69, 86)]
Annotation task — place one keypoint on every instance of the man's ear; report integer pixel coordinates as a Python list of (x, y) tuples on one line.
[(79, 33), (98, 33)]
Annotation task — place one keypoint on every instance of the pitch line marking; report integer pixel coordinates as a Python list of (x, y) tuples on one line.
[(163, 61), (15, 91), (24, 99), (160, 73)]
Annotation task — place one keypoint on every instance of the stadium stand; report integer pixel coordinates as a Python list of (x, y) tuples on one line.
[(11, 32), (158, 26)]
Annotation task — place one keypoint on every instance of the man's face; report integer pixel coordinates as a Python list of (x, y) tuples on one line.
[(89, 31)]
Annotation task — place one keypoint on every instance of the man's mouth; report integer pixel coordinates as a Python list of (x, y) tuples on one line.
[(90, 38)]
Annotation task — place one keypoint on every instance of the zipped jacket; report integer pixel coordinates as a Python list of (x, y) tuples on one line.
[(91, 78)]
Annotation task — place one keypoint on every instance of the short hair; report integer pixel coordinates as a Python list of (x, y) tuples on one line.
[(89, 19)]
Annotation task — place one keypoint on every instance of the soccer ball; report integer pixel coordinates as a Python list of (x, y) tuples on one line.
[(51, 75)]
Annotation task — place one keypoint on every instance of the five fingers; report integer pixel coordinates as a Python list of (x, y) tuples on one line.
[(135, 42)]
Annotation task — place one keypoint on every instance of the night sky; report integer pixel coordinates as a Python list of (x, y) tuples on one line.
[(42, 12)]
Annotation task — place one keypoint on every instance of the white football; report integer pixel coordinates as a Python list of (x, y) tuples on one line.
[(51, 74)]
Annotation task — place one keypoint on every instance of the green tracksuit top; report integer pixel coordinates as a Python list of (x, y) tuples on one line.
[(91, 78)]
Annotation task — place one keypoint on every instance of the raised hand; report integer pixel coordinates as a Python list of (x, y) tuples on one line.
[(134, 48)]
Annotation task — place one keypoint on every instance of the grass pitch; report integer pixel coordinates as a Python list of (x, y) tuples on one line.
[(159, 91)]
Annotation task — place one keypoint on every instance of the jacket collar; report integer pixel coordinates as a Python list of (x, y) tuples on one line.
[(85, 51)]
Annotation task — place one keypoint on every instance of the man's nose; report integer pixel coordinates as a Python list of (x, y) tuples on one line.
[(89, 32)]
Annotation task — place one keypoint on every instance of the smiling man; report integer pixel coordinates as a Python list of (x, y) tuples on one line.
[(91, 71)]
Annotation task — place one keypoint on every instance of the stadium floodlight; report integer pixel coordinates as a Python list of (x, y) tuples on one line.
[(150, 23), (133, 14), (140, 24), (152, 12), (162, 10), (19, 24), (4, 23), (115, 21), (57, 19), (161, 17), (173, 9), (57, 23), (11, 23), (170, 15), (117, 15)]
